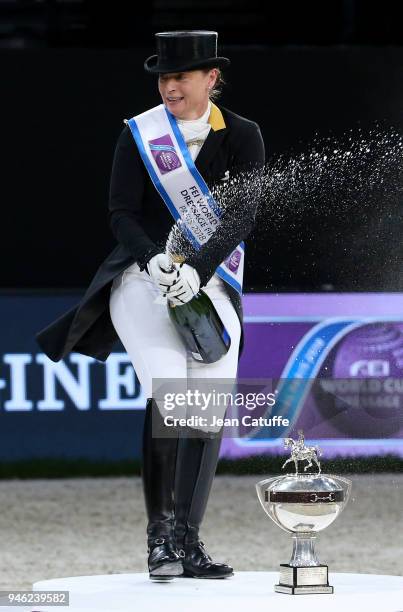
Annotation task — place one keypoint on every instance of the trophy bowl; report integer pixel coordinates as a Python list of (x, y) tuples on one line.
[(303, 505)]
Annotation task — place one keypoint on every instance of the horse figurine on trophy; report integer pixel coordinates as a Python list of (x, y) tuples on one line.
[(300, 452)]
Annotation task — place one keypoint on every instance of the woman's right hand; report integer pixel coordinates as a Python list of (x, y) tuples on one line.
[(163, 272)]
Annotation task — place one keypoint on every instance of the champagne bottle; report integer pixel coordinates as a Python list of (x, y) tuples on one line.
[(199, 325)]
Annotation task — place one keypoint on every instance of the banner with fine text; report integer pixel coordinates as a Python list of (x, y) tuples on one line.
[(334, 361)]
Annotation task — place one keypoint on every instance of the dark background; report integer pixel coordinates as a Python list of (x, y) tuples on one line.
[(72, 71)]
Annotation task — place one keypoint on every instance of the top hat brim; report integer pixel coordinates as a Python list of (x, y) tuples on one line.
[(152, 66)]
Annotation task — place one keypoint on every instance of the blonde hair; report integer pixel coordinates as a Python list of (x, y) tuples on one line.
[(216, 91)]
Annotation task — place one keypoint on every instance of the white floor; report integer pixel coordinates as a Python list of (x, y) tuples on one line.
[(245, 591)]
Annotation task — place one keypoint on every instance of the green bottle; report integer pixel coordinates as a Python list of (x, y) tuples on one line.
[(199, 325)]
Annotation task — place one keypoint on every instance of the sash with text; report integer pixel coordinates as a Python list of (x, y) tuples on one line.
[(181, 186)]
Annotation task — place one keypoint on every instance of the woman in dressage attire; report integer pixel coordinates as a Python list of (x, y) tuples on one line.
[(122, 299)]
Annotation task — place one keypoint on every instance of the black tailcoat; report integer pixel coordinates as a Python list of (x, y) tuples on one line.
[(141, 222)]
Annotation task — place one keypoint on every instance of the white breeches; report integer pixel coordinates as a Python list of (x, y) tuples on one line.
[(139, 315)]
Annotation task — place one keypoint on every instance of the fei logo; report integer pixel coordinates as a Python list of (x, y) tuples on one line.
[(163, 151), (370, 367), (232, 262)]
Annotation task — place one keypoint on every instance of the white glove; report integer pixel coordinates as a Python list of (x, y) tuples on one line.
[(185, 287), (163, 280)]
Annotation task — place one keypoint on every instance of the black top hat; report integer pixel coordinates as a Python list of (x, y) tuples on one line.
[(181, 51)]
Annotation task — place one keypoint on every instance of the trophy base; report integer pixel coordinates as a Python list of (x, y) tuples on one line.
[(302, 590), (302, 580)]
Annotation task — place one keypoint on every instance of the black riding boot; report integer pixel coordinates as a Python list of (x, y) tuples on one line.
[(196, 465), (158, 474)]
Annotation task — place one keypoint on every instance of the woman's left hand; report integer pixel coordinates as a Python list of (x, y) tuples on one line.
[(185, 287)]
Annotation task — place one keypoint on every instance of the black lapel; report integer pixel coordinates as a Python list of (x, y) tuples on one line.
[(209, 148)]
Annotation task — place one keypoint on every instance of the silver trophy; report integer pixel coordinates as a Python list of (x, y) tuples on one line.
[(303, 504)]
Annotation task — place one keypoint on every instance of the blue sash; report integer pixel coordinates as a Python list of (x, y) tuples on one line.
[(181, 186)]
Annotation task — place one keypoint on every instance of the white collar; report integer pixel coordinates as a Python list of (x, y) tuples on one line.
[(196, 122)]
